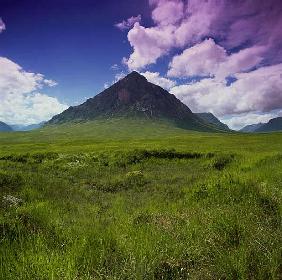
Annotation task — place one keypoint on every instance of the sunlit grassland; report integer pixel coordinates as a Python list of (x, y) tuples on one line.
[(112, 200)]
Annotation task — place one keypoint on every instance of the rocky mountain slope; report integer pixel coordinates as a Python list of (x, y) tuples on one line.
[(273, 125), (135, 97), (251, 127), (212, 119), (5, 127)]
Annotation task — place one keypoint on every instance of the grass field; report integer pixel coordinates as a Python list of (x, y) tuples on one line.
[(137, 200)]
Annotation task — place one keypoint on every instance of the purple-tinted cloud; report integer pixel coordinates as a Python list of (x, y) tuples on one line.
[(129, 23), (209, 59), (216, 40), (2, 25), (167, 12), (233, 23), (202, 59), (149, 44)]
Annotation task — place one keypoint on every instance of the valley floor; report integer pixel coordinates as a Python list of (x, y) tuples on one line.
[(139, 201)]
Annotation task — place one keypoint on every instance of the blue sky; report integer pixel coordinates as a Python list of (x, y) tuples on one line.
[(73, 42), (221, 57)]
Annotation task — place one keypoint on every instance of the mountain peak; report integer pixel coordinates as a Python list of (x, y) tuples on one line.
[(134, 97), (134, 77)]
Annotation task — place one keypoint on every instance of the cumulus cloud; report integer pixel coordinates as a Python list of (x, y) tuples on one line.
[(129, 23), (148, 44), (216, 41), (242, 61), (21, 102), (177, 24), (256, 91), (209, 59), (202, 59), (155, 78), (50, 83), (180, 24), (167, 12)]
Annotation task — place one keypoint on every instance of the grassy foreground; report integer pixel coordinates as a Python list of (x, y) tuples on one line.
[(131, 200)]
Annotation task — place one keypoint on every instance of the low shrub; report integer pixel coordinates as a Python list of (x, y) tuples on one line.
[(138, 156), (21, 158), (10, 181), (40, 157), (221, 161)]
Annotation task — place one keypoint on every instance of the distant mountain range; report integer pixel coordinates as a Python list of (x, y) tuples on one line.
[(251, 127), (271, 126), (135, 97), (212, 119), (5, 127), (18, 127)]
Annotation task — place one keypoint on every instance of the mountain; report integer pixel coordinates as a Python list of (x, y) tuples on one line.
[(273, 125), (18, 127), (251, 127), (5, 127), (134, 97), (212, 119)]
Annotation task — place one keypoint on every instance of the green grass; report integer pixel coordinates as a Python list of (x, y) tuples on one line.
[(130, 200)]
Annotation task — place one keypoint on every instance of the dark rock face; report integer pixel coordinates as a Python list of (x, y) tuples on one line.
[(5, 127), (212, 119), (134, 96), (251, 127), (273, 125)]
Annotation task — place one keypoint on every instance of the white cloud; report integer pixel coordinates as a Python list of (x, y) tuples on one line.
[(50, 83), (202, 59), (119, 76), (127, 24), (106, 85), (180, 24), (209, 59), (256, 91), (176, 26), (155, 78), (148, 44), (21, 103), (242, 61), (114, 67), (2, 25), (168, 12)]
